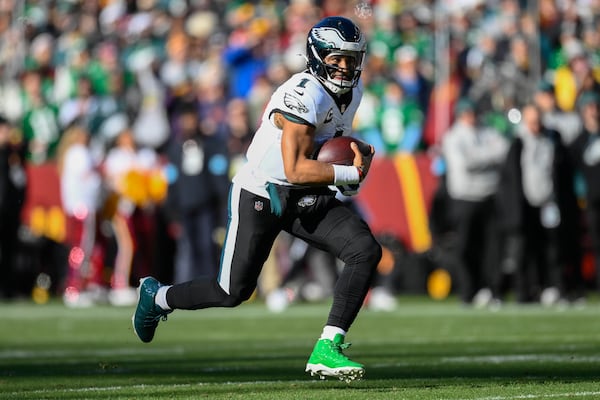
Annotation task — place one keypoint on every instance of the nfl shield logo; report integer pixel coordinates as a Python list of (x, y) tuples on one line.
[(258, 205)]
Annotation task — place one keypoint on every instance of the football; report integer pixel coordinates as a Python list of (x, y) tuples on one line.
[(337, 150)]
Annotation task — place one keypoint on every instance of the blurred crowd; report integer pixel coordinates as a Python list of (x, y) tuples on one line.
[(146, 107)]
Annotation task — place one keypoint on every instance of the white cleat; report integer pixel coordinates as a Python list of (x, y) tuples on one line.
[(343, 374)]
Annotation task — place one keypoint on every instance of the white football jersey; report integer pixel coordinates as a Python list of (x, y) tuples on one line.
[(302, 98)]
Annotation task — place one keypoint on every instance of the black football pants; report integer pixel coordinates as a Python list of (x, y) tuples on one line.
[(320, 220)]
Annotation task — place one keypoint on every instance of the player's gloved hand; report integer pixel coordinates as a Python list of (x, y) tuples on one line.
[(348, 190)]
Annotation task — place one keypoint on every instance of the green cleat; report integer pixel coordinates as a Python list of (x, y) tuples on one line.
[(327, 359), (147, 314)]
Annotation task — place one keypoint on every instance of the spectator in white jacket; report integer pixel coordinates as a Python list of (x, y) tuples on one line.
[(473, 156)]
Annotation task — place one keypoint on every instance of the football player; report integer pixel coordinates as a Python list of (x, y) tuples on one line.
[(283, 187)]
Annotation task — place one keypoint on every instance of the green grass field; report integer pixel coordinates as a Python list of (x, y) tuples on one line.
[(424, 350)]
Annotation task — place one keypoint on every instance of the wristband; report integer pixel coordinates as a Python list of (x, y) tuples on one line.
[(345, 174)]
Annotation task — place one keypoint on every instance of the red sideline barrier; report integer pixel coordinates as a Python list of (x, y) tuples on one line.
[(42, 210), (396, 198)]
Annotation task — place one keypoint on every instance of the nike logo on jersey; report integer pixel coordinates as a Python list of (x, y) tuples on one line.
[(294, 103)]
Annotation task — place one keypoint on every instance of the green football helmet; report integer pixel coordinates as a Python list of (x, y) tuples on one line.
[(336, 36)]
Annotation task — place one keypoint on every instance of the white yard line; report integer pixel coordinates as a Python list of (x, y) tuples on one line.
[(153, 387), (503, 358), (537, 396), (125, 351), (90, 389)]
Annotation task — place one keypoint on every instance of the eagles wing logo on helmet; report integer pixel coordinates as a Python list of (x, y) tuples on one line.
[(332, 38), (328, 36)]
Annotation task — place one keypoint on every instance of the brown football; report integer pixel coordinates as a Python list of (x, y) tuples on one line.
[(337, 150)]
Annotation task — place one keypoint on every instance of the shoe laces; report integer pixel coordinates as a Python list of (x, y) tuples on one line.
[(151, 320), (337, 349), (344, 346), (340, 344)]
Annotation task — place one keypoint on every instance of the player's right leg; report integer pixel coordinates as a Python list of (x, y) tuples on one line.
[(251, 230)]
